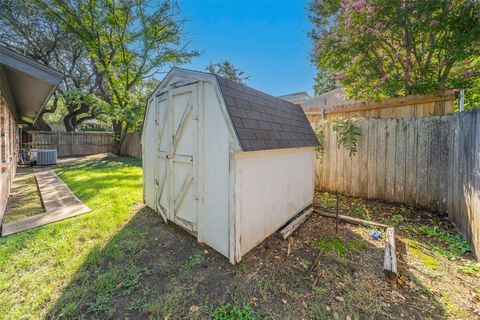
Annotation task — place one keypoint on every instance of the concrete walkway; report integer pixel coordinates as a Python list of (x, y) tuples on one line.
[(59, 202)]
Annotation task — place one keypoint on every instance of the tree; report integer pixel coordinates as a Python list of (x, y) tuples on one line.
[(324, 82), (383, 48), (25, 27), (127, 41), (228, 70)]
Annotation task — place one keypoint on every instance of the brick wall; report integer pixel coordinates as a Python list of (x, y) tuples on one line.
[(9, 141)]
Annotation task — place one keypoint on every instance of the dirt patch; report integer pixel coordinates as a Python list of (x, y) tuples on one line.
[(24, 199), (153, 270)]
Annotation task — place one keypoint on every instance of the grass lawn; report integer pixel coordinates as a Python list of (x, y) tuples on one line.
[(24, 200), (36, 265), (122, 262)]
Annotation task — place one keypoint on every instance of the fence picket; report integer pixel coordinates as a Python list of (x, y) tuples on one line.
[(431, 162)]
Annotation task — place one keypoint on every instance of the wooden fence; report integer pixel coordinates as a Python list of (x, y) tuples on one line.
[(412, 106), (69, 143), (131, 145), (431, 162)]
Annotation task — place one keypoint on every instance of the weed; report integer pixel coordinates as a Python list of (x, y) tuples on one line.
[(140, 303), (357, 245), (338, 246), (471, 268), (107, 283), (69, 310), (101, 305), (396, 219), (329, 200), (197, 259), (228, 312), (166, 306), (456, 245), (319, 290), (331, 244), (132, 277), (364, 212), (319, 311)]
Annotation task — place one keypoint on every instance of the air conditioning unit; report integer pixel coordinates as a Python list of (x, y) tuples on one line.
[(44, 157)]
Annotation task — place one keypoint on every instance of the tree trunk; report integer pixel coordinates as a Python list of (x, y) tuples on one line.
[(117, 136), (68, 121), (40, 124)]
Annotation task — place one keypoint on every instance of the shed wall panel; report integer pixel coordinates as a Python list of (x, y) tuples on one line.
[(271, 188), (216, 140), (149, 157)]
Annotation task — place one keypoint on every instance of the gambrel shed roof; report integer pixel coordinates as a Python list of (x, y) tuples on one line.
[(265, 122)]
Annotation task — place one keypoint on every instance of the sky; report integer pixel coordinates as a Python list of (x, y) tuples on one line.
[(266, 39)]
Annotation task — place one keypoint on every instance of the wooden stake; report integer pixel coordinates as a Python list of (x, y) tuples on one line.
[(336, 218), (390, 260)]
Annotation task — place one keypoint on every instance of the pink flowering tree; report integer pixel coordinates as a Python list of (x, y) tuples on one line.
[(382, 48)]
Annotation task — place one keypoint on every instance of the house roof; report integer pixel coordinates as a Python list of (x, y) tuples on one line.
[(296, 97), (265, 122), (327, 100), (26, 83)]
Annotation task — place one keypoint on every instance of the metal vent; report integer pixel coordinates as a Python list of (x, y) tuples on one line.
[(46, 157)]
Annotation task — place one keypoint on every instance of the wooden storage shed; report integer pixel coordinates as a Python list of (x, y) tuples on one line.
[(226, 162)]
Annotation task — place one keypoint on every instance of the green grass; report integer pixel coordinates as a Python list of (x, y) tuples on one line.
[(452, 245), (36, 265), (228, 312), (339, 246)]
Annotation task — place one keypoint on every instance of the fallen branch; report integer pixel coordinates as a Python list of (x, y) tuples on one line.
[(351, 219), (315, 261), (292, 226), (316, 278)]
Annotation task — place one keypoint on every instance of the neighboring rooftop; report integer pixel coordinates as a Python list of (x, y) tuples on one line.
[(327, 100), (26, 83), (296, 97), (263, 121)]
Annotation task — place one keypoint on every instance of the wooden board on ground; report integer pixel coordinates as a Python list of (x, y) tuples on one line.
[(292, 226), (351, 219)]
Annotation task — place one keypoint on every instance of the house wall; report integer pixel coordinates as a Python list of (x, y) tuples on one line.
[(271, 187), (9, 141)]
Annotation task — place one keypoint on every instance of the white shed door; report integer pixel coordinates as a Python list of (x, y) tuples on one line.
[(176, 174), (183, 161), (161, 173)]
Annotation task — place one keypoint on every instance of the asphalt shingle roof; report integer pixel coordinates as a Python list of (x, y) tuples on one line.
[(265, 122)]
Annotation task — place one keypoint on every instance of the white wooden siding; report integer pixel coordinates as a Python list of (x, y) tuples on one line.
[(270, 188)]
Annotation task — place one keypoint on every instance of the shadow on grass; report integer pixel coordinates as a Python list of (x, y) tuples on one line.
[(153, 270), (146, 270)]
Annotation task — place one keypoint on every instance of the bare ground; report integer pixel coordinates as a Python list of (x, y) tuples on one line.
[(168, 275), (24, 199)]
